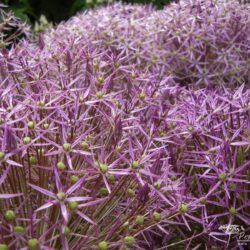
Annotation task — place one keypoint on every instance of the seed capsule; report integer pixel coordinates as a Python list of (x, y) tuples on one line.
[(157, 216), (133, 75), (33, 160), (183, 208), (9, 108), (99, 94), (131, 192), (19, 230), (142, 96), (41, 151), (67, 147), (85, 145), (222, 177), (61, 166), (104, 168), (60, 195), (232, 186), (3, 247), (66, 231), (139, 220), (81, 99), (73, 205), (100, 80), (173, 177), (129, 241), (33, 243), (74, 178), (203, 201), (135, 165), (26, 140), (233, 211), (103, 245), (214, 248), (2, 155), (10, 215), (104, 191), (31, 125), (41, 104), (45, 125), (111, 178), (157, 185)]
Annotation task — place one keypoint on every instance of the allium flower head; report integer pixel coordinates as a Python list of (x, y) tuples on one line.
[(107, 141)]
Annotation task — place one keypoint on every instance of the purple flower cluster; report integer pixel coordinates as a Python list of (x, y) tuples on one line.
[(10, 27), (196, 42), (101, 145)]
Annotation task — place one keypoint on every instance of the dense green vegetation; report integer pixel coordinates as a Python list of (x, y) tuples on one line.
[(58, 10)]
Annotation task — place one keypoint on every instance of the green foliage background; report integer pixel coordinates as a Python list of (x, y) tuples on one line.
[(58, 10)]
